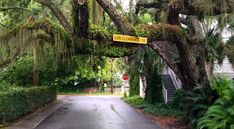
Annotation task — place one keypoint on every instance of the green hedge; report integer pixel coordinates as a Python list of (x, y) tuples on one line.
[(17, 101)]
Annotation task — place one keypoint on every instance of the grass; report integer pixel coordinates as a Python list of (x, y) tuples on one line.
[(159, 109)]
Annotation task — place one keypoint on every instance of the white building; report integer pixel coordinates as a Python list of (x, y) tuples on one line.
[(225, 70)]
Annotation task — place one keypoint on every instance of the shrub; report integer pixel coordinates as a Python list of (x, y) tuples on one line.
[(221, 114), (18, 101), (153, 93), (177, 98), (23, 68), (197, 102)]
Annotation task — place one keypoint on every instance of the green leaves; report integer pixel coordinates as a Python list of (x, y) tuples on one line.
[(221, 86), (134, 84), (214, 46), (17, 101), (159, 109), (221, 114)]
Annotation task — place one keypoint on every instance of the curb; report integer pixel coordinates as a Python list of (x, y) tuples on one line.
[(33, 120)]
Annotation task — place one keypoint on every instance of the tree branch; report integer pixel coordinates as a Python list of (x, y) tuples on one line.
[(199, 32), (166, 52), (191, 7), (142, 5), (123, 25), (58, 14), (13, 8), (4, 25), (10, 60)]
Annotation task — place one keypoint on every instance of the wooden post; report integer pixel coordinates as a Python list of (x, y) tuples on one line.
[(112, 87)]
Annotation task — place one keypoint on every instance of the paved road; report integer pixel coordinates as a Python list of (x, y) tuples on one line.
[(86, 112)]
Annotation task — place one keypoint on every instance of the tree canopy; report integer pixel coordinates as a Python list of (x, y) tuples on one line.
[(183, 32)]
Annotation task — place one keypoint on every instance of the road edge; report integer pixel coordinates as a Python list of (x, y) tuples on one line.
[(34, 119)]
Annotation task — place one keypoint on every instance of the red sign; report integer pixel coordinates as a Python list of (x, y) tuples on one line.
[(125, 77)]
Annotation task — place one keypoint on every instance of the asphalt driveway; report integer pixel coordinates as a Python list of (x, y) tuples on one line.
[(94, 112)]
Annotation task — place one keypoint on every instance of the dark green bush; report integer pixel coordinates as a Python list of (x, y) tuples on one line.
[(23, 68), (221, 114), (197, 102), (134, 84), (17, 101), (177, 101), (153, 93)]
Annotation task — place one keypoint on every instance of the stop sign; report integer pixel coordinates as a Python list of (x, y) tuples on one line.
[(125, 76)]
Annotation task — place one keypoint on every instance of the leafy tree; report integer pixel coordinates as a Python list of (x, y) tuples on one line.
[(148, 65)]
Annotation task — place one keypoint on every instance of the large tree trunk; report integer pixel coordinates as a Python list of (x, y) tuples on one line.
[(186, 70), (187, 66)]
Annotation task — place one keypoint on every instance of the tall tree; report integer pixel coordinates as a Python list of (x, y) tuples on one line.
[(181, 48), (187, 46)]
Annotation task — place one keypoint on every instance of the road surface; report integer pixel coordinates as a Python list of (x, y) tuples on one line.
[(93, 112)]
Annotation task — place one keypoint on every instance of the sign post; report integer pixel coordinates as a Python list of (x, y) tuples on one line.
[(129, 39), (125, 78)]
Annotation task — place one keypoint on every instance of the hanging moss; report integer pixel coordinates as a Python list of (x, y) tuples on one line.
[(62, 42), (22, 37)]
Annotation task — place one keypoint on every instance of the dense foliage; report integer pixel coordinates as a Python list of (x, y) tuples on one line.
[(221, 114), (91, 71), (147, 63), (134, 84), (153, 93), (208, 106), (21, 72), (18, 101)]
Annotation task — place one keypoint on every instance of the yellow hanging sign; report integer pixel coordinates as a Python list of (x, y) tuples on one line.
[(129, 39)]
